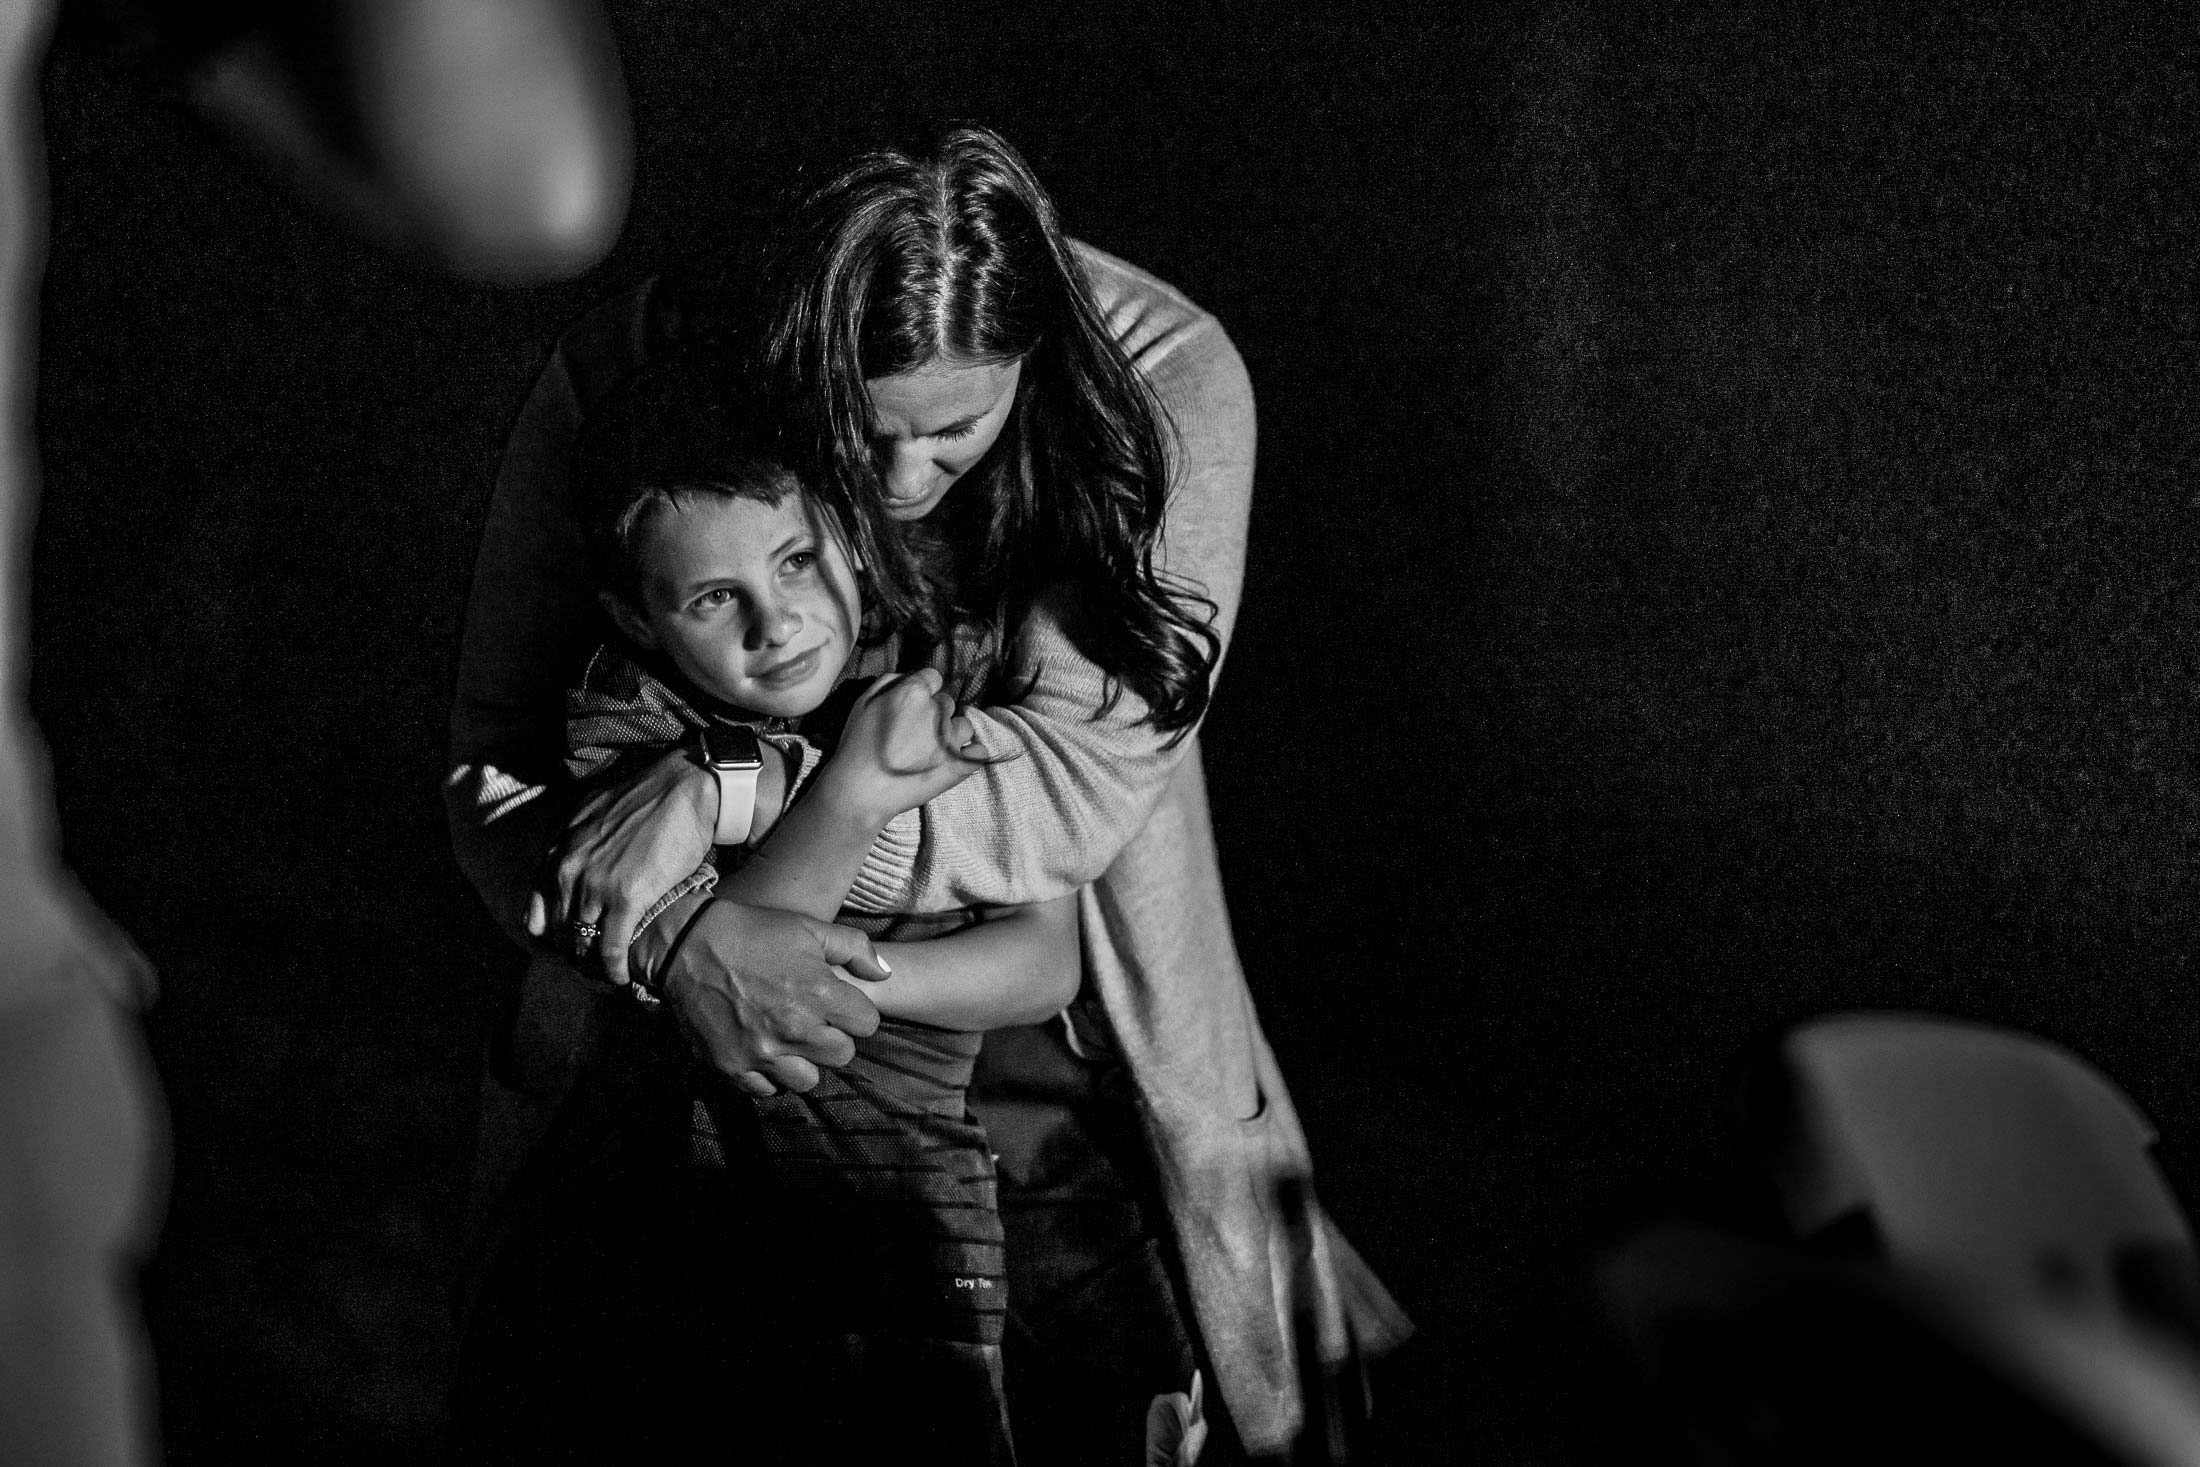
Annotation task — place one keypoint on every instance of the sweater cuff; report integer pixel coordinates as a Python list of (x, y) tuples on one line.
[(703, 878), (888, 878), (803, 759)]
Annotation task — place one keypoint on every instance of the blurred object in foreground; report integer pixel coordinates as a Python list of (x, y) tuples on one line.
[(1979, 1154), (1770, 1356), (1981, 1263), (82, 1143), (82, 1172), (488, 137)]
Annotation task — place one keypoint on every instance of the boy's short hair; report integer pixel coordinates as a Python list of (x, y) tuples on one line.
[(674, 428)]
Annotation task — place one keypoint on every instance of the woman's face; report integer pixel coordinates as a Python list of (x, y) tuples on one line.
[(929, 426)]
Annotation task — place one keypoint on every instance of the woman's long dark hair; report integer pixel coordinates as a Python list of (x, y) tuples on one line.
[(953, 255)]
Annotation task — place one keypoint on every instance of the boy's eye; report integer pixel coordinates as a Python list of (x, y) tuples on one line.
[(801, 560), (714, 598)]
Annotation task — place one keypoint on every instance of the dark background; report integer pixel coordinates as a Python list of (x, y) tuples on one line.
[(1722, 552)]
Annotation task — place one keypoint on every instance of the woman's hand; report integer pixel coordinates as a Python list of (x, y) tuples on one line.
[(626, 846), (765, 997), (904, 744)]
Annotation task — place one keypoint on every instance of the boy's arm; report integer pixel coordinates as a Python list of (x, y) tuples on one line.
[(897, 750), (1020, 966), (812, 857)]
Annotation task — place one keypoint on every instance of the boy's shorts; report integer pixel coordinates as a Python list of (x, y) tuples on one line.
[(886, 1198)]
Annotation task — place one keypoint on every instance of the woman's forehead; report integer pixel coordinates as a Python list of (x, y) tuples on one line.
[(939, 394)]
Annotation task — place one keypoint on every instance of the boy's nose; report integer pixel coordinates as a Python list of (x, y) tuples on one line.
[(774, 625)]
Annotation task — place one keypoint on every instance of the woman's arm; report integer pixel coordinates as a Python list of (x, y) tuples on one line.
[(1020, 966), (529, 617), (1033, 827)]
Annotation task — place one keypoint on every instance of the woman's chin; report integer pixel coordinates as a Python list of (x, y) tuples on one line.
[(919, 507)]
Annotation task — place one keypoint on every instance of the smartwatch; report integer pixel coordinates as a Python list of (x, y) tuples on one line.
[(734, 756)]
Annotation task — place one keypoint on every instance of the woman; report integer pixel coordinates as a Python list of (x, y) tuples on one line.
[(963, 369)]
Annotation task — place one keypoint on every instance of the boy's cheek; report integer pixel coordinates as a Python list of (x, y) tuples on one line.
[(704, 664)]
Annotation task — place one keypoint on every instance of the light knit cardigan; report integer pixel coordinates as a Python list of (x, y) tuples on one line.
[(1095, 803)]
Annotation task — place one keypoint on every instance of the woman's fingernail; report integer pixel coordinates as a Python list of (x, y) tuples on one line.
[(884, 966)]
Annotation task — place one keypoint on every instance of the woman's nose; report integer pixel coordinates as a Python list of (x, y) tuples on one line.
[(907, 471)]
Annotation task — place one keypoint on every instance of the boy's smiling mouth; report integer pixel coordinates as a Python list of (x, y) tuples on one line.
[(786, 674)]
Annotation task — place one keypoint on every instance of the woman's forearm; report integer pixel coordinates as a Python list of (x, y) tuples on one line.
[(1020, 967), (530, 613)]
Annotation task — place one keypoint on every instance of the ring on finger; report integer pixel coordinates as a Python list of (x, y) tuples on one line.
[(584, 936)]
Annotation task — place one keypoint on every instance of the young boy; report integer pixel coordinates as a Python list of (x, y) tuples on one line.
[(737, 605)]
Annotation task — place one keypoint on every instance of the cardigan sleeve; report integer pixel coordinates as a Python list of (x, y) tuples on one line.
[(528, 609), (530, 619), (1077, 786)]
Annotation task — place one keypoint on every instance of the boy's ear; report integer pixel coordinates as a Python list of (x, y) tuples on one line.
[(628, 620)]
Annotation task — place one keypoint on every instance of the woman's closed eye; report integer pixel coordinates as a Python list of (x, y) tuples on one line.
[(883, 444)]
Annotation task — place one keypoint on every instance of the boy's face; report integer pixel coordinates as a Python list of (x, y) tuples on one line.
[(756, 604)]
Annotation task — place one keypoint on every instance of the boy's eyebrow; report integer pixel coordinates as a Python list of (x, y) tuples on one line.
[(716, 578)]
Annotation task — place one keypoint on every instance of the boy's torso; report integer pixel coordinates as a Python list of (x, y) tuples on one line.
[(624, 705), (917, 1064)]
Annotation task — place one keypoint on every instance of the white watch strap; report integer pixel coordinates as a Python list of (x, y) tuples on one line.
[(736, 805)]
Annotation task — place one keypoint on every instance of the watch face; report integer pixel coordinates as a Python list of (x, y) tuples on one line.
[(731, 746)]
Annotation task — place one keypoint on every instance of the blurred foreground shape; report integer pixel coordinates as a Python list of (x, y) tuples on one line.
[(1981, 1263)]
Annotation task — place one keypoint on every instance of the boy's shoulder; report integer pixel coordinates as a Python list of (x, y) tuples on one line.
[(616, 681), (620, 699), (618, 705)]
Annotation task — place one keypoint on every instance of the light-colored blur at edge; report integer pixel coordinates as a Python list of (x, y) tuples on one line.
[(81, 1139), (497, 148)]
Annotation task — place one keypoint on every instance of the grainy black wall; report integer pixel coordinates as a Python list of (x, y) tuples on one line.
[(1723, 551)]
